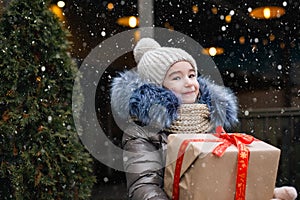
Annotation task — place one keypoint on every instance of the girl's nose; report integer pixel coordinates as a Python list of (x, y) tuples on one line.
[(188, 82)]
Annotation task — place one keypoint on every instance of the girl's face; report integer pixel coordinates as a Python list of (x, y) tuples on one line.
[(182, 80)]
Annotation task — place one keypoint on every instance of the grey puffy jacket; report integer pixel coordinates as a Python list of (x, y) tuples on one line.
[(144, 168), (154, 108)]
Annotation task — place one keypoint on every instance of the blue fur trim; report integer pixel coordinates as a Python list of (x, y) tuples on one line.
[(121, 90), (132, 96), (221, 102), (153, 105), (205, 96)]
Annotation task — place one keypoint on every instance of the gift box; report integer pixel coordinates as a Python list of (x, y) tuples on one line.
[(201, 174)]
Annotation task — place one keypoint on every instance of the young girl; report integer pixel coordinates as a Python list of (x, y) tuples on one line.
[(164, 95)]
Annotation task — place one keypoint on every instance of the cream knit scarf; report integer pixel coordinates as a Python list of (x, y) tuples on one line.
[(192, 118)]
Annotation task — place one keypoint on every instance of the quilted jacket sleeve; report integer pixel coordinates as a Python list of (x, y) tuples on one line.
[(143, 164)]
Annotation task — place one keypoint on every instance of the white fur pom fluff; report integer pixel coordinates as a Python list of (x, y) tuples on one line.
[(285, 193)]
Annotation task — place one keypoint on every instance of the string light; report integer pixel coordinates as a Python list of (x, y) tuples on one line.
[(267, 12), (228, 18), (214, 10), (272, 37), (195, 9), (168, 26), (110, 6), (242, 40), (130, 21), (213, 51), (57, 11)]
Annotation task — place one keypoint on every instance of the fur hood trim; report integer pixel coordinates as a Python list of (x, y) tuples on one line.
[(149, 104)]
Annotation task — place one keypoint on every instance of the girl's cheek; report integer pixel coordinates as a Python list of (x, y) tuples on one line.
[(175, 91)]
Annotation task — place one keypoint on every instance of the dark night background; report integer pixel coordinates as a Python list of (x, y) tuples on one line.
[(263, 70)]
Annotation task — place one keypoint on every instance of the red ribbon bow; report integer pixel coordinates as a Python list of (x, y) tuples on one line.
[(237, 139), (240, 141)]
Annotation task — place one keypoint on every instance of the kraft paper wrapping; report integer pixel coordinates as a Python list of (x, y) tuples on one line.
[(205, 176)]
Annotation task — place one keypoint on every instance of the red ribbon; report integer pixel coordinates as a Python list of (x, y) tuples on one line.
[(239, 140)]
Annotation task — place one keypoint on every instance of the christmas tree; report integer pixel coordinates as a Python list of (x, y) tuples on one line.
[(41, 155)]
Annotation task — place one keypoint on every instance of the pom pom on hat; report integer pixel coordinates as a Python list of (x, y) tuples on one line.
[(144, 45), (153, 61)]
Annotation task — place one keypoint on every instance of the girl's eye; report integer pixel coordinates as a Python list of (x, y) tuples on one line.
[(176, 78), (191, 75)]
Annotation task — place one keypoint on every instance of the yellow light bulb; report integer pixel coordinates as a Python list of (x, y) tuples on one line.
[(132, 21), (267, 13), (212, 51)]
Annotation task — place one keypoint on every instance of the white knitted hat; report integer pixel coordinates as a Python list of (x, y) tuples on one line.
[(153, 61)]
